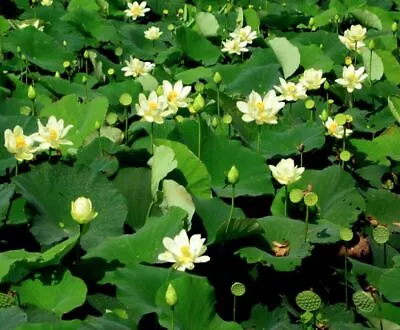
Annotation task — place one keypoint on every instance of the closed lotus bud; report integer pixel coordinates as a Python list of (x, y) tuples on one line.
[(86, 54), (348, 60), (394, 27), (57, 74), (65, 43), (170, 296), (97, 125), (326, 85), (217, 78), (31, 92), (233, 175), (84, 79), (198, 103), (324, 115), (371, 44), (165, 11), (82, 210), (214, 122), (199, 87)]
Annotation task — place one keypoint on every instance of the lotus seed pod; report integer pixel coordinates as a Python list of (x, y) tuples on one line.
[(227, 119), (180, 11), (165, 11), (125, 99), (66, 64), (345, 156), (381, 234), (6, 300), (118, 51), (110, 71), (31, 92), (311, 199), (296, 195), (233, 175), (170, 296), (111, 118), (346, 234), (238, 289), (310, 104), (171, 27), (217, 78), (340, 119), (364, 301), (308, 301), (199, 87), (349, 118), (198, 103)]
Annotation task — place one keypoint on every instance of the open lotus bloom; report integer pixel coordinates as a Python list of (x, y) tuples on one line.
[(153, 33), (261, 110), (136, 10), (136, 68), (336, 130), (52, 135), (291, 91), (184, 253), (285, 172), (352, 79), (177, 95), (154, 108), (353, 38), (244, 34), (20, 145), (312, 79), (234, 46)]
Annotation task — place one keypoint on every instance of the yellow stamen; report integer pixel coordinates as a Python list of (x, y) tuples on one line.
[(153, 105), (20, 142), (53, 134), (260, 106), (332, 128), (136, 11), (172, 96), (186, 255)]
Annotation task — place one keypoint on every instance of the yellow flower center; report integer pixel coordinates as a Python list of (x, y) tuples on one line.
[(136, 11), (291, 90), (53, 134), (172, 96), (332, 128), (352, 78), (153, 105), (260, 106), (20, 142), (186, 255)]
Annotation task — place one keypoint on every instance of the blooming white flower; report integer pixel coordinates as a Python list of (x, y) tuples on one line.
[(312, 79), (262, 110), (34, 23), (291, 91), (136, 10), (234, 46), (136, 68), (352, 78), (154, 108), (19, 144), (244, 34), (336, 130), (184, 253), (285, 172), (82, 210), (353, 38), (52, 135), (177, 95), (153, 33), (46, 3)]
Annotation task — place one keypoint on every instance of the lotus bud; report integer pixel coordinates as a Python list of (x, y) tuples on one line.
[(86, 54), (57, 74), (170, 296), (82, 210), (371, 44), (31, 92), (348, 60), (324, 115), (198, 103), (394, 27), (233, 176), (199, 87), (217, 78), (326, 85)]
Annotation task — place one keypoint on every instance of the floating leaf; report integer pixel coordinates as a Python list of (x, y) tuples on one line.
[(287, 55)]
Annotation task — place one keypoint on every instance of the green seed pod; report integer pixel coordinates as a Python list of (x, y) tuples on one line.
[(296, 195), (125, 99), (340, 119), (310, 104), (57, 74), (311, 199), (233, 175), (170, 296), (6, 300), (31, 92), (308, 301), (66, 64), (381, 234), (227, 119), (86, 54), (364, 301), (110, 71), (118, 51), (345, 156), (217, 78), (238, 289), (111, 118), (346, 234)]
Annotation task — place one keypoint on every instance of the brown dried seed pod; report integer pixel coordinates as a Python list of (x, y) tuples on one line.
[(280, 249)]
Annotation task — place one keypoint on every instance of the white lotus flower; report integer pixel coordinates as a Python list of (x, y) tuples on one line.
[(234, 46), (184, 253), (176, 94), (244, 34), (52, 135), (82, 210), (312, 79), (153, 33), (35, 24), (262, 110), (20, 145), (336, 130), (46, 3), (352, 78), (136, 68), (154, 108), (353, 38), (136, 10), (291, 91), (285, 172)]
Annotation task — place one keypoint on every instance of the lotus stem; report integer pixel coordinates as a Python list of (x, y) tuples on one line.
[(306, 225), (370, 68), (172, 318), (218, 105), (234, 308), (258, 137), (346, 291), (384, 254), (199, 137), (151, 138), (231, 210), (286, 199), (126, 125)]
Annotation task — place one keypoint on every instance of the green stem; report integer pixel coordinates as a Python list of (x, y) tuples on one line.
[(350, 100), (218, 105), (33, 108), (231, 210), (370, 68), (16, 169), (301, 159), (199, 137), (234, 308), (149, 210), (355, 54), (306, 226), (172, 318), (384, 255), (126, 125), (258, 137), (151, 138), (312, 115), (346, 293), (286, 199)]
